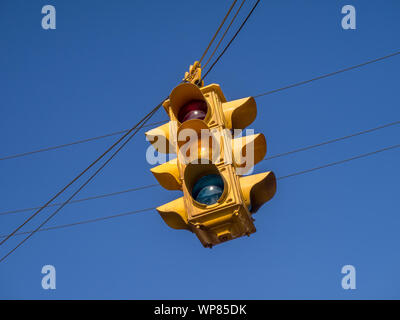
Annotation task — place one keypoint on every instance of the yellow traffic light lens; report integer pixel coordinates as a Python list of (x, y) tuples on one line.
[(195, 109), (208, 189)]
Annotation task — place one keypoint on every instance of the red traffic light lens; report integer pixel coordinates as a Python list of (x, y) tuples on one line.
[(195, 109)]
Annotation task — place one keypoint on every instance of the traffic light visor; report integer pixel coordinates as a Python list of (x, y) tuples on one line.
[(187, 102), (257, 189)]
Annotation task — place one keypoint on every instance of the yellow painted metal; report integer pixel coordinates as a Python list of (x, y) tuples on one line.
[(195, 125), (182, 94), (249, 150), (257, 189), (227, 219), (167, 175), (186, 92), (194, 74), (174, 214), (160, 138), (240, 113)]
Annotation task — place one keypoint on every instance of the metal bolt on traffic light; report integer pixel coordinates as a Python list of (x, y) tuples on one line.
[(210, 165)]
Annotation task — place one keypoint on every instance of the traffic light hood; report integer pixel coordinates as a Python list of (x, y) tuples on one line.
[(160, 138), (248, 151), (236, 114), (240, 113), (257, 189), (174, 214), (182, 94), (167, 174), (194, 126)]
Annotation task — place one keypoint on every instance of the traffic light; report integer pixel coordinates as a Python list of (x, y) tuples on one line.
[(211, 162)]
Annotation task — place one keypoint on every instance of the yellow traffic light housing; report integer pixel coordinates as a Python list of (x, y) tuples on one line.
[(218, 200)]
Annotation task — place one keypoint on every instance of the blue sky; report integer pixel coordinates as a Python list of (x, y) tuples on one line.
[(109, 62)]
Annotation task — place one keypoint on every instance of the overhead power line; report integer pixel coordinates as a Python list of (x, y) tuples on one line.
[(224, 34), (19, 155), (162, 122), (138, 126), (152, 124), (216, 32), (101, 196), (85, 170), (233, 38), (23, 154), (283, 154), (153, 208), (85, 221), (332, 140), (339, 162), (327, 75)]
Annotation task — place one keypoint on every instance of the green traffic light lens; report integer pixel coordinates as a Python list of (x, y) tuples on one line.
[(208, 189)]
